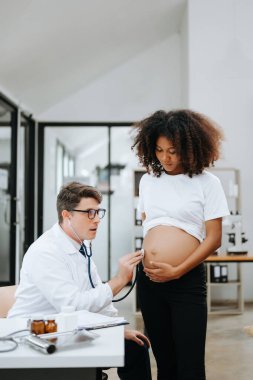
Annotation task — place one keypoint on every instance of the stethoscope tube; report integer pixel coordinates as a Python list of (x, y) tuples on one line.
[(84, 251), (132, 286), (89, 255)]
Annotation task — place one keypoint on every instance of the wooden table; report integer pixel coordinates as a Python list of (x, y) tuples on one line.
[(223, 258), (238, 283)]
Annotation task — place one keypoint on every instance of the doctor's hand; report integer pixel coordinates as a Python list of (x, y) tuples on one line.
[(127, 264), (161, 272), (137, 337)]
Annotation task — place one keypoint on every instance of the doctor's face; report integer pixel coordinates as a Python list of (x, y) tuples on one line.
[(84, 227)]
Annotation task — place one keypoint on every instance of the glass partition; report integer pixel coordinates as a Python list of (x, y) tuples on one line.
[(77, 154), (123, 164), (98, 155)]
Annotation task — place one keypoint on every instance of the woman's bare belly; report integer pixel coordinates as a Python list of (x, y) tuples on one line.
[(168, 244)]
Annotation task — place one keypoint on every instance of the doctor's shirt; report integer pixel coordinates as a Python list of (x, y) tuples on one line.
[(54, 274)]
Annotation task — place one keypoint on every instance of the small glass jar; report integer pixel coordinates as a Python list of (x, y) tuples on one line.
[(37, 325), (50, 324)]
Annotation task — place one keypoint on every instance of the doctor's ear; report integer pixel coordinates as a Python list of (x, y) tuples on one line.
[(66, 214)]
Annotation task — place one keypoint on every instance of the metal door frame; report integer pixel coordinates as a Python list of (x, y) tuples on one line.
[(29, 150), (29, 178), (13, 185)]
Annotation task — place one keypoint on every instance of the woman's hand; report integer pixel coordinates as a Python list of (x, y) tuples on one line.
[(161, 272), (137, 337)]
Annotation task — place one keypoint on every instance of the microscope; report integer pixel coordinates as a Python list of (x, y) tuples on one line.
[(235, 235)]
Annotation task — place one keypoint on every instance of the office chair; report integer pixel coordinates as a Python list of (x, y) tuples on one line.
[(7, 299)]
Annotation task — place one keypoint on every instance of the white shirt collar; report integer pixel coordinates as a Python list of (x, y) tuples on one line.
[(69, 246)]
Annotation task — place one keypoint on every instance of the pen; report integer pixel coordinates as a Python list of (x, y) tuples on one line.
[(106, 325)]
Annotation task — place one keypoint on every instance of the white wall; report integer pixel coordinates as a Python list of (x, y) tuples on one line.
[(220, 85), (184, 54), (150, 81)]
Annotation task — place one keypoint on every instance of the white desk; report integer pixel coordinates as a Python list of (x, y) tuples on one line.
[(78, 363)]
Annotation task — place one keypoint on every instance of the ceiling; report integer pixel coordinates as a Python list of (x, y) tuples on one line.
[(84, 141), (51, 49), (78, 139)]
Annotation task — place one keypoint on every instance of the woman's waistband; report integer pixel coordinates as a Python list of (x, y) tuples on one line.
[(196, 276)]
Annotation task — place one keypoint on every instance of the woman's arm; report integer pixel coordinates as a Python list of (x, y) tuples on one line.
[(162, 272)]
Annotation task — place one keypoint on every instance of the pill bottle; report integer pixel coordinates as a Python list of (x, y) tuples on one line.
[(37, 325), (67, 319), (50, 324)]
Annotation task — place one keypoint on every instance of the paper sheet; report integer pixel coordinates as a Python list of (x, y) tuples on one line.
[(88, 319)]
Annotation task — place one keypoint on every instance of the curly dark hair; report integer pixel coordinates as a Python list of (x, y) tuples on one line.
[(196, 138)]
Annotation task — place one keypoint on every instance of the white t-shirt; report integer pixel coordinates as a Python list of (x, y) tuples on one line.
[(181, 201)]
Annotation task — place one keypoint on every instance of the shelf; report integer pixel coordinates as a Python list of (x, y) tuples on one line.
[(238, 306), (218, 310), (223, 283)]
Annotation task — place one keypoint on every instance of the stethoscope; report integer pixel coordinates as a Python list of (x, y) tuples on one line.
[(84, 252)]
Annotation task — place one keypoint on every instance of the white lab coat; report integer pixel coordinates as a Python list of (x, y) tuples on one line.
[(55, 274)]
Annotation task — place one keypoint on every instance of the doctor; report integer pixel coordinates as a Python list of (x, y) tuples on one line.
[(55, 272)]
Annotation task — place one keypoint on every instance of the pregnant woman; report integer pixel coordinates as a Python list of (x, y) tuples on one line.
[(182, 206)]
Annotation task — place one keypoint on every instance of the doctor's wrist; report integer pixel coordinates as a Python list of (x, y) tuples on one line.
[(116, 284)]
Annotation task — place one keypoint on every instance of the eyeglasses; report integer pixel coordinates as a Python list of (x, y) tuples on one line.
[(92, 212)]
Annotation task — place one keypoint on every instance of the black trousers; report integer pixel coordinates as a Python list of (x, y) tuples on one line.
[(175, 318), (137, 363)]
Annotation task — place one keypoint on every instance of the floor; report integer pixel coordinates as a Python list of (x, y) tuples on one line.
[(229, 351)]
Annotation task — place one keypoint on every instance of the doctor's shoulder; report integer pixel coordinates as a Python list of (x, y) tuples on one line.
[(43, 246)]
